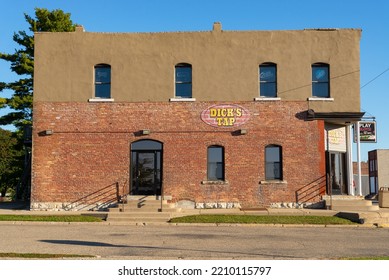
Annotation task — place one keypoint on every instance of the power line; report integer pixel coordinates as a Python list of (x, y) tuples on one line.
[(375, 78), (372, 80)]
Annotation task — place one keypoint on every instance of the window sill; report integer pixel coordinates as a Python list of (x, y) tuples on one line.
[(182, 99), (329, 99), (214, 182), (101, 100), (267, 98), (273, 182)]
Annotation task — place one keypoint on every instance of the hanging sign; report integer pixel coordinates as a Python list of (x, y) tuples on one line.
[(225, 115), (367, 132)]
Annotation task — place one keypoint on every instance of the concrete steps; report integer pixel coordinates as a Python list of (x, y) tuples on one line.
[(149, 206), (142, 209), (350, 203)]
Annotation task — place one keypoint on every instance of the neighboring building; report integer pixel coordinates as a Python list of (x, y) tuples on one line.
[(206, 119), (378, 170)]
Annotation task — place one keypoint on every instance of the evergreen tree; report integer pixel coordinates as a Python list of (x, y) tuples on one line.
[(22, 63), (11, 162)]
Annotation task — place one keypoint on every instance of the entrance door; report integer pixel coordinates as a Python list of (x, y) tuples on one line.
[(337, 184), (146, 166)]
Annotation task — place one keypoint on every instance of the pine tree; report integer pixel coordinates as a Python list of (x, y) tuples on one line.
[(22, 63), (11, 162)]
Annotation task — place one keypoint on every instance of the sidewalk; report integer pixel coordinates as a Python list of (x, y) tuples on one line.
[(378, 218)]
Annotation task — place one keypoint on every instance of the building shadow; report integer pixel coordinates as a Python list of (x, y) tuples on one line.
[(83, 243)]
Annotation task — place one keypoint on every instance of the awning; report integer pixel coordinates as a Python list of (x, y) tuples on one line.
[(336, 117)]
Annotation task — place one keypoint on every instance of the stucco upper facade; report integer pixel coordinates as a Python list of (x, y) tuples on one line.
[(224, 65)]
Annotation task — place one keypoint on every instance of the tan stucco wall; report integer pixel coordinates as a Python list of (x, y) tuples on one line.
[(383, 168), (224, 64)]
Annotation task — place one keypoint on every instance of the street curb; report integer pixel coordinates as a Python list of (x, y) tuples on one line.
[(142, 224)]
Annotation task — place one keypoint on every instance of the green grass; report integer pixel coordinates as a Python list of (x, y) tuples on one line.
[(253, 219), (50, 218), (42, 256)]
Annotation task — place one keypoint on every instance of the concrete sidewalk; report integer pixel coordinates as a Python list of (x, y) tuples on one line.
[(22, 208), (378, 218)]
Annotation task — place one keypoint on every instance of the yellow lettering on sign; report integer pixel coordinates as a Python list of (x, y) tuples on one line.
[(225, 121), (225, 116)]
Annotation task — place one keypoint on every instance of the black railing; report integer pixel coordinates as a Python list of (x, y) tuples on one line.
[(312, 191), (100, 199)]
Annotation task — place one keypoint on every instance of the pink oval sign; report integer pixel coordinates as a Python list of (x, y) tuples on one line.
[(226, 115)]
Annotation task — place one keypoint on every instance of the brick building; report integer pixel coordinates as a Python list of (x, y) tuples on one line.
[(378, 170), (205, 119)]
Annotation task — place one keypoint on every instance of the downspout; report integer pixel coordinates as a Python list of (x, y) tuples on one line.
[(349, 137)]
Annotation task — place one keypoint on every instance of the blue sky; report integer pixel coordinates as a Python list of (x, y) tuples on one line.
[(198, 15)]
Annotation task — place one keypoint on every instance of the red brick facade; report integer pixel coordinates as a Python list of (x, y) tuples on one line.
[(88, 155)]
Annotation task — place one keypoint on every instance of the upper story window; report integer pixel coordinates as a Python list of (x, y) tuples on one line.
[(183, 78), (320, 80), (215, 162), (102, 81), (268, 80), (273, 162)]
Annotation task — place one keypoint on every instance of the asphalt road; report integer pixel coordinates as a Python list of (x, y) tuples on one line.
[(195, 242)]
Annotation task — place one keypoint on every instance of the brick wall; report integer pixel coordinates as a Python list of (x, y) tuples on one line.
[(87, 159), (364, 168)]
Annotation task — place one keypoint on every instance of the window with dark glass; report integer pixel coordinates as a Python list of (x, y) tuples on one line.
[(320, 80), (268, 80), (273, 162), (183, 77), (102, 81), (215, 160)]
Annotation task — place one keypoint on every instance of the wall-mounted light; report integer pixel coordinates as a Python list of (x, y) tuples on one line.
[(242, 131), (48, 132), (145, 132)]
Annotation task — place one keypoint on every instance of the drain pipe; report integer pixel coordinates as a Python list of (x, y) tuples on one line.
[(350, 152)]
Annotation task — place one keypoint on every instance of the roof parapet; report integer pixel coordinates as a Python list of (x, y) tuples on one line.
[(321, 29)]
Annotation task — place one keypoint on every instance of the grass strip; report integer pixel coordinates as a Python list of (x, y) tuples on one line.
[(254, 219), (42, 256), (50, 218)]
